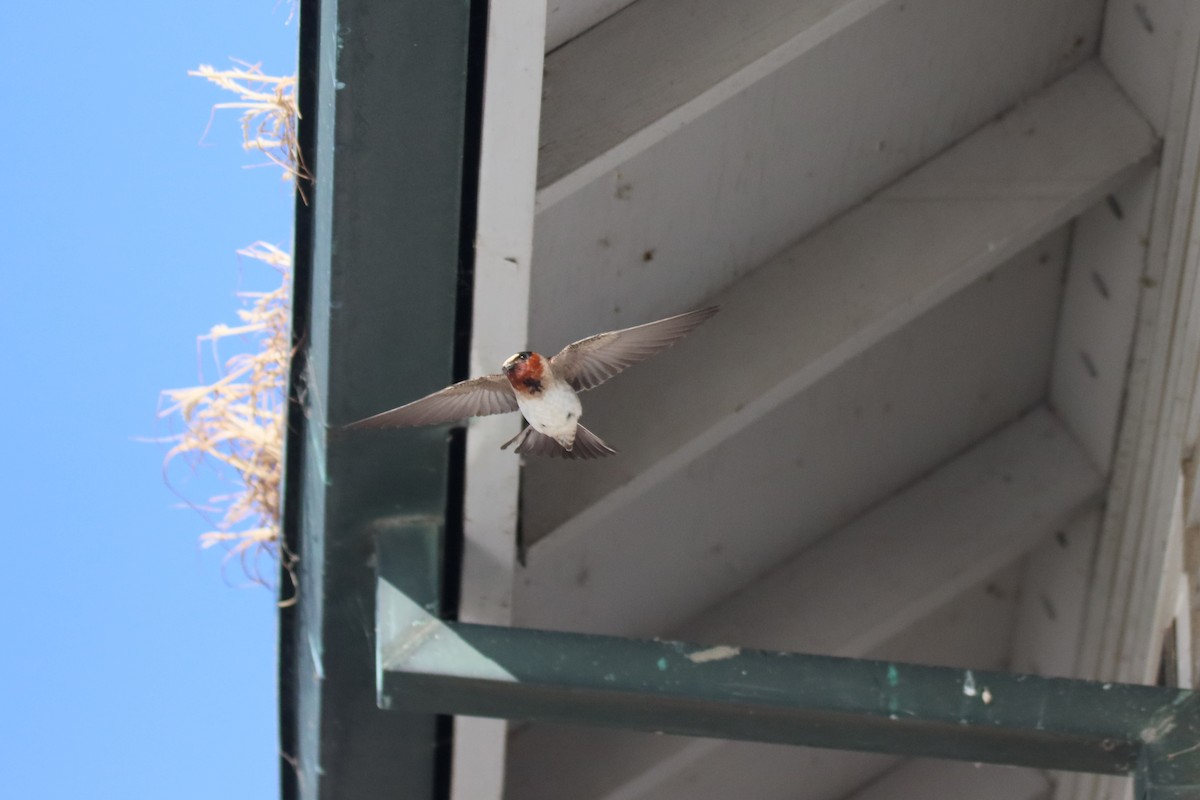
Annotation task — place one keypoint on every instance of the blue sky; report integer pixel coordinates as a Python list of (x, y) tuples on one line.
[(131, 667)]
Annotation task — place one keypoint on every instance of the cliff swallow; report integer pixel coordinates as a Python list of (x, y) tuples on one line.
[(543, 389)]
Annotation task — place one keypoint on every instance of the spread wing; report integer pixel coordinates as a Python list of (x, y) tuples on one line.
[(477, 397), (591, 361)]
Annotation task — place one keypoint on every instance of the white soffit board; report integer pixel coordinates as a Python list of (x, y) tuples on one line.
[(854, 282), (566, 19), (1095, 334), (914, 552), (660, 64), (965, 368), (687, 217), (994, 193), (857, 280), (635, 79), (1053, 600)]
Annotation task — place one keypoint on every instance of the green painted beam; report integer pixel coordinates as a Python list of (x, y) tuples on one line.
[(385, 130), (427, 664)]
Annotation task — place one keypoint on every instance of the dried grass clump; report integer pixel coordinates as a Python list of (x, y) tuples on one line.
[(237, 421), (269, 114)]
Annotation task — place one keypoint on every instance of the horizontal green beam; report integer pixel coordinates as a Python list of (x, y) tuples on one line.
[(427, 664)]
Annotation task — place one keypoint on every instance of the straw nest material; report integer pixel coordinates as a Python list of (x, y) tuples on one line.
[(237, 421)]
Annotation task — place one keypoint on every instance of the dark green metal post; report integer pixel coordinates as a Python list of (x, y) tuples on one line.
[(383, 130), (1169, 768)]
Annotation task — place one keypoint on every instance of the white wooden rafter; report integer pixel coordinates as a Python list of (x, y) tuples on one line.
[(503, 252)]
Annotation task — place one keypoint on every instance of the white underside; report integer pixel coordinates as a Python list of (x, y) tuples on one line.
[(554, 412)]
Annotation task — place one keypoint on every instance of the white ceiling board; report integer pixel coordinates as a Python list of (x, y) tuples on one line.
[(638, 78), (973, 630), (913, 553), (813, 464), (566, 19), (1100, 303), (660, 64), (922, 779), (752, 176), (846, 287), (1053, 600), (1140, 47), (549, 762)]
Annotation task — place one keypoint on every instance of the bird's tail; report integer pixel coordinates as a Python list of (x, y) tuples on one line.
[(587, 444)]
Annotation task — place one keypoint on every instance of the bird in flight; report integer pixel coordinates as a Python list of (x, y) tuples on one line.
[(544, 389)]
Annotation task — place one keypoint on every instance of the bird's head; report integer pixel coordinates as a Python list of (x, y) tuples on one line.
[(516, 362), (524, 371)]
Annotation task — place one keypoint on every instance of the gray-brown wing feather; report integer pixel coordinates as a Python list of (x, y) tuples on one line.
[(477, 397), (591, 361)]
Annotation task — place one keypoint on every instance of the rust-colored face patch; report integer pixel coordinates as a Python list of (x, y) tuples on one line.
[(525, 374)]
